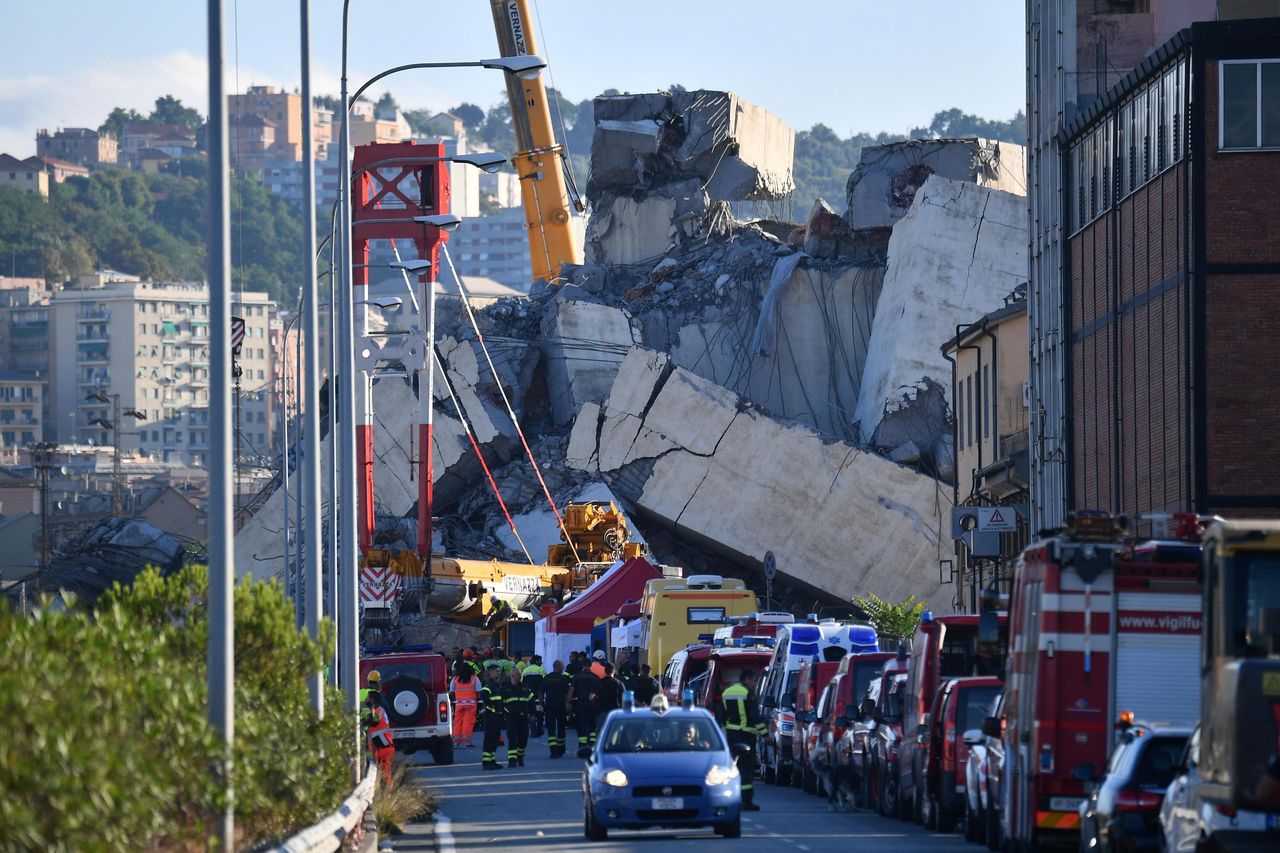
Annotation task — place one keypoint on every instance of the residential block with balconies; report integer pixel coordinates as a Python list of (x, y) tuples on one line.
[(148, 343)]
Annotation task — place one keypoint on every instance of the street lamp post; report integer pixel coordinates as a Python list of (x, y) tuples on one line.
[(42, 460), (221, 649), (349, 557), (309, 413)]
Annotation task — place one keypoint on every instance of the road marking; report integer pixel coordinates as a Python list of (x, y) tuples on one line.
[(444, 832)]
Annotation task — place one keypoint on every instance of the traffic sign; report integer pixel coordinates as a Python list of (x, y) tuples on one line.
[(237, 334), (770, 565), (997, 519)]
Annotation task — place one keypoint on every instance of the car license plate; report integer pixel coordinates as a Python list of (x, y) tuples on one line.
[(1065, 804), (406, 733), (663, 803)]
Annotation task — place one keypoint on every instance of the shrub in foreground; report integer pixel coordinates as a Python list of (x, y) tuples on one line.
[(103, 736)]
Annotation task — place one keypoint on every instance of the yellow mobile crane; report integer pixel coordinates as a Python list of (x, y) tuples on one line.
[(540, 162)]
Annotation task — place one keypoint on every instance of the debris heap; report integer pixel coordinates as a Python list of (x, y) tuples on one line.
[(740, 386)]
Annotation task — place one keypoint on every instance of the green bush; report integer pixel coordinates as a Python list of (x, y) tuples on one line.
[(104, 742)]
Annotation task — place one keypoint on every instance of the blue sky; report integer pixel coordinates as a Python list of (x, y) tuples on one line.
[(851, 64)]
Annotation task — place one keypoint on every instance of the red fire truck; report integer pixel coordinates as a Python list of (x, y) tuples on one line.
[(1099, 625)]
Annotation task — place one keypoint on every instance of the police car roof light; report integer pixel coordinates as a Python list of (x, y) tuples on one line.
[(811, 617), (926, 616), (686, 699), (628, 701)]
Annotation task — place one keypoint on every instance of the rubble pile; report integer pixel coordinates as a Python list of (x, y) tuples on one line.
[(113, 551), (740, 387)]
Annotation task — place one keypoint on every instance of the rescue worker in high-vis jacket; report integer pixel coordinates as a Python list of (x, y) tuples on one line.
[(464, 690), (373, 686), (492, 716), (532, 676), (555, 702), (382, 743), (518, 699), (743, 725), (584, 715)]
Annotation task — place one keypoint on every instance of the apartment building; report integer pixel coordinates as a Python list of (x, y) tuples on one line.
[(989, 387), (21, 409), (24, 334), (79, 145), (148, 343), (1172, 275)]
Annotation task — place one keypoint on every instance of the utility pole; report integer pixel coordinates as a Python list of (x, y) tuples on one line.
[(42, 460), (117, 481)]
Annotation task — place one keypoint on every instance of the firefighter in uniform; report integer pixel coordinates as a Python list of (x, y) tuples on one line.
[(555, 702), (742, 726), (518, 699), (532, 674), (382, 743), (584, 716), (464, 690), (492, 716)]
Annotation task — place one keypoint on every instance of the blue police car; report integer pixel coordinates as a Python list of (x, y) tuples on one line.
[(659, 767)]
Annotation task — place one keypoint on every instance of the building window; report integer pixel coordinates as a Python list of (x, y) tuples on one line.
[(1249, 104), (969, 402), (986, 397)]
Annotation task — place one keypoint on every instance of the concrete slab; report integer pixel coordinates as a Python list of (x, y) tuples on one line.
[(738, 150), (741, 483), (880, 190), (586, 344), (957, 253)]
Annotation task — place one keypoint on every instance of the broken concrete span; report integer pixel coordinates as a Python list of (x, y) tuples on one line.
[(713, 467)]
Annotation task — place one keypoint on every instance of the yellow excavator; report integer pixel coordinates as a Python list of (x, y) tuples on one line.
[(541, 161)]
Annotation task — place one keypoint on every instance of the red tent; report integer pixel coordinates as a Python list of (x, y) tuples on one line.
[(603, 598)]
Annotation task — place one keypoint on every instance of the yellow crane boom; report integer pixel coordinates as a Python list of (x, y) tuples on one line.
[(540, 161)]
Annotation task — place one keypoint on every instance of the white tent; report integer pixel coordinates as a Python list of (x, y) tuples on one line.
[(627, 636), (554, 647)]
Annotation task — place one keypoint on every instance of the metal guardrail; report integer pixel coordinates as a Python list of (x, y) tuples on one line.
[(329, 834)]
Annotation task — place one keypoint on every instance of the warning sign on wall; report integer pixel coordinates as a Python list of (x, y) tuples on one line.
[(997, 519)]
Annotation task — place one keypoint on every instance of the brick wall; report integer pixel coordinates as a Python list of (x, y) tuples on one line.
[(1242, 352), (1242, 320), (1242, 201), (1128, 295)]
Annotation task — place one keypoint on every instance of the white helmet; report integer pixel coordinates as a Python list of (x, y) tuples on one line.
[(599, 655)]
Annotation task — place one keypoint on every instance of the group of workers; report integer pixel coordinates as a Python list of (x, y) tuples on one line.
[(522, 699)]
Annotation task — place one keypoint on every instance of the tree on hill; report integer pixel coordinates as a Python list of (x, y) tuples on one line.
[(170, 110), (118, 119), (471, 115)]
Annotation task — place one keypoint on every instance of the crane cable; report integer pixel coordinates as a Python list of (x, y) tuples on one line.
[(466, 427), (437, 361), (497, 380)]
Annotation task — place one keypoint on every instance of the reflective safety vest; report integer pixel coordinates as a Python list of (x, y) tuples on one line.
[(736, 716), (533, 669), (464, 694), (380, 736)]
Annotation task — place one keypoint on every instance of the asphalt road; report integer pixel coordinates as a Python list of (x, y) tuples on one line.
[(539, 808)]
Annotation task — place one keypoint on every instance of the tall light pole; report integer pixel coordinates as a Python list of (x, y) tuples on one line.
[(349, 553), (309, 402), (221, 651), (113, 425)]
